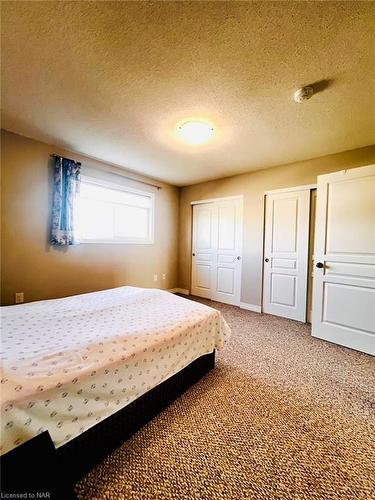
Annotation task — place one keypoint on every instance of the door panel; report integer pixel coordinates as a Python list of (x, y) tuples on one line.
[(286, 254), (225, 280), (284, 224), (359, 271), (283, 290), (203, 276), (344, 282), (347, 305), (227, 227), (217, 245), (225, 259), (204, 228), (284, 263), (227, 284), (204, 251), (345, 210)]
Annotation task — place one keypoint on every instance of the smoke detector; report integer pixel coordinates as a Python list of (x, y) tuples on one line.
[(303, 94)]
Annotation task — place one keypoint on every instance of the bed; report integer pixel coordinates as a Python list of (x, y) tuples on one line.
[(79, 363)]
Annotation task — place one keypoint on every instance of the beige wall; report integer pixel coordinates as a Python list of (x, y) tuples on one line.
[(32, 266), (253, 186)]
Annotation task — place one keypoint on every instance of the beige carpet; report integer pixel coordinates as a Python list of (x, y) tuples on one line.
[(282, 416)]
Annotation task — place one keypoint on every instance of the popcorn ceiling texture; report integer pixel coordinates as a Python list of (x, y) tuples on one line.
[(282, 416), (112, 79)]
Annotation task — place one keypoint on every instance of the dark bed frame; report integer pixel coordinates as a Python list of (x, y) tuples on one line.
[(38, 468)]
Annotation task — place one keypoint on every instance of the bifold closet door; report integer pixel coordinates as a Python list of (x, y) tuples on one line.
[(204, 250), (344, 258), (228, 239), (286, 254), (216, 255)]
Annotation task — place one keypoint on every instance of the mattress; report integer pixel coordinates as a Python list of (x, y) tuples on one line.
[(69, 363)]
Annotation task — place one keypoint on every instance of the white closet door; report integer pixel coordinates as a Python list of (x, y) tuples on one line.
[(216, 256), (227, 278), (286, 254), (344, 254), (204, 250)]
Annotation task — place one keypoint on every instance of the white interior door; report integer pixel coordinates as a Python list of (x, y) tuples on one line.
[(217, 250), (286, 246), (344, 254), (227, 277), (204, 250)]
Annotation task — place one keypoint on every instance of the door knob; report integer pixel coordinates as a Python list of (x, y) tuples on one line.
[(238, 257), (319, 265), (266, 260), (193, 254)]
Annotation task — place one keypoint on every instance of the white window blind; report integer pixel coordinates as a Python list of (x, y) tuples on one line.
[(111, 213)]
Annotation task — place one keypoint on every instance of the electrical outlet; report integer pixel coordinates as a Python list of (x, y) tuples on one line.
[(155, 277), (19, 297), (164, 276)]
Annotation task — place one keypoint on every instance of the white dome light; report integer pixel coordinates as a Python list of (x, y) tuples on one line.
[(195, 132)]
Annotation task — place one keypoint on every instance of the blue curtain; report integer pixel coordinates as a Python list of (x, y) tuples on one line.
[(66, 182)]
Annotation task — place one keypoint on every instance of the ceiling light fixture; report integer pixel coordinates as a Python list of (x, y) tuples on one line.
[(195, 132)]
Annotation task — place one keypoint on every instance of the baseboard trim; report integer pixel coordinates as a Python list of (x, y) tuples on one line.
[(183, 291), (250, 307)]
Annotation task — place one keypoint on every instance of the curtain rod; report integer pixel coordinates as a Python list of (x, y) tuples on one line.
[(109, 170), (54, 155)]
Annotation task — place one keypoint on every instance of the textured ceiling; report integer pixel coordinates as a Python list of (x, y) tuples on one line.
[(112, 80)]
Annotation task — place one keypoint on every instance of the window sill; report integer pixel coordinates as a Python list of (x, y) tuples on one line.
[(116, 242)]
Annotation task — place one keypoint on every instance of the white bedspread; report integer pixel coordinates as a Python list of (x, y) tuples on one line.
[(68, 363)]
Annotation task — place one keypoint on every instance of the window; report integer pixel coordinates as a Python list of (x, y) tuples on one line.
[(111, 213)]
